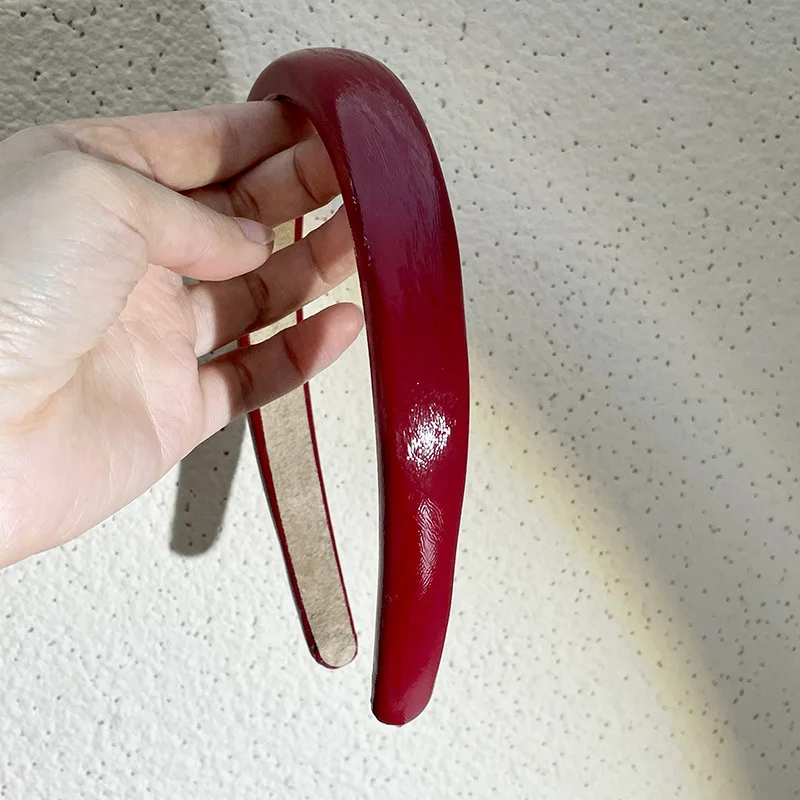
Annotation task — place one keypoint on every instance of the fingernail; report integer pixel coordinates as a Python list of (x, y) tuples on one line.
[(256, 232)]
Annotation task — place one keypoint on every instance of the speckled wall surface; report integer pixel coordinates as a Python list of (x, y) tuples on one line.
[(625, 178)]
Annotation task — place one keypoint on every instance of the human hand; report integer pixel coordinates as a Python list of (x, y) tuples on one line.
[(101, 391)]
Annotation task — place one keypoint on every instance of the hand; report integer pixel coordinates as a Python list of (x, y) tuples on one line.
[(101, 391)]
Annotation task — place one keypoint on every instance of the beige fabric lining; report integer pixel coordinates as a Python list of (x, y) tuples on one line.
[(302, 512)]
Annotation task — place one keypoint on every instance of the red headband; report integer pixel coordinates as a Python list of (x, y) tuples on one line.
[(409, 269)]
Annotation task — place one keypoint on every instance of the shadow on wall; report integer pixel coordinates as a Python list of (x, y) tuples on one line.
[(82, 58), (204, 484)]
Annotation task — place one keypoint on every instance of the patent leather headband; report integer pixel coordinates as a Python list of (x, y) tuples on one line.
[(409, 270)]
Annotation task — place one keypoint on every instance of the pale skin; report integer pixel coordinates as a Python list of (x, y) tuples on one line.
[(101, 389)]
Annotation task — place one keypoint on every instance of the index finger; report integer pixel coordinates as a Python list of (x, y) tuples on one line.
[(189, 149)]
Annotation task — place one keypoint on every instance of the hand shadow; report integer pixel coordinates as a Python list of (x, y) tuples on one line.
[(204, 484)]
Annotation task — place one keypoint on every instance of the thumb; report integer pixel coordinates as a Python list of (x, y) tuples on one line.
[(179, 233)]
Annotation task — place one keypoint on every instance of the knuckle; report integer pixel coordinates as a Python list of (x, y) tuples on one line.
[(245, 201), (330, 250), (223, 134), (294, 354), (314, 171), (317, 262), (260, 296), (107, 141), (245, 386)]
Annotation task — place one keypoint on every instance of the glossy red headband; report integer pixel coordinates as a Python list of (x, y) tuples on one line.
[(409, 269)]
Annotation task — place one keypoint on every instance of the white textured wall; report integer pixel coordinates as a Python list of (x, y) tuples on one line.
[(625, 177)]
